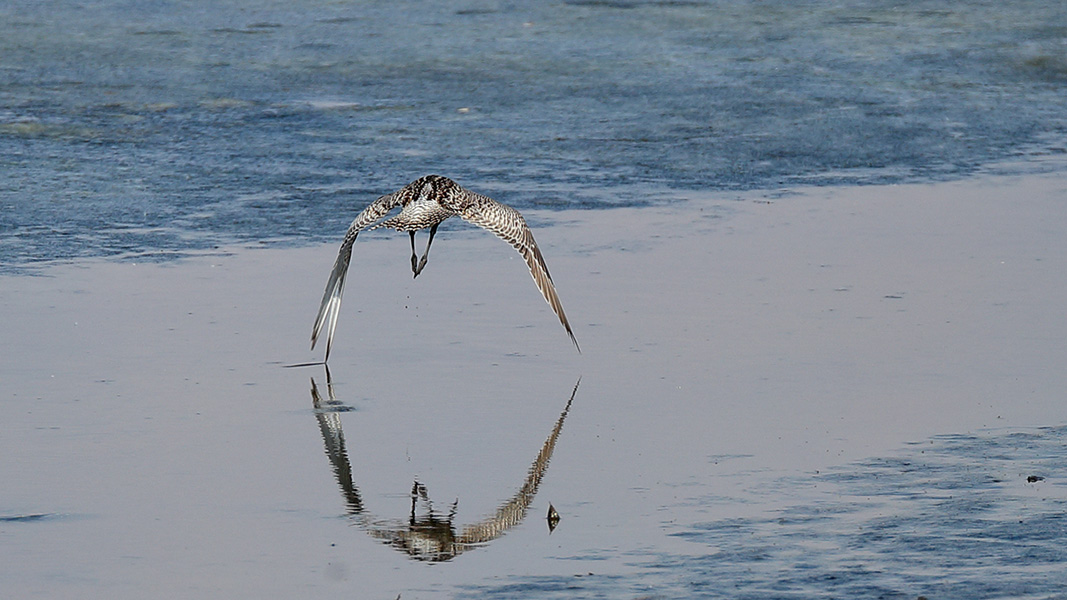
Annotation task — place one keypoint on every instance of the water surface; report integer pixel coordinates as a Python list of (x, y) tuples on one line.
[(152, 128), (821, 323), (843, 392)]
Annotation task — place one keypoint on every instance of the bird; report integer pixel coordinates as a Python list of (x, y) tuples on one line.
[(426, 203)]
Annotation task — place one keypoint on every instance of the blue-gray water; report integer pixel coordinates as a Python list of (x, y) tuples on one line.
[(151, 442), (839, 393), (150, 128), (956, 516)]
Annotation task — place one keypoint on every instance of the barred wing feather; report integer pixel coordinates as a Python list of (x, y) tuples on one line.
[(335, 286), (507, 224)]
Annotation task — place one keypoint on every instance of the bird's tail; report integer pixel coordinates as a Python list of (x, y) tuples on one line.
[(331, 298)]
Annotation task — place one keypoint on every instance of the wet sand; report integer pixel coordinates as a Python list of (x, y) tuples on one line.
[(154, 445)]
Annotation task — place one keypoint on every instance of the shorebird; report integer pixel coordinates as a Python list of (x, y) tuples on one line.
[(426, 202)]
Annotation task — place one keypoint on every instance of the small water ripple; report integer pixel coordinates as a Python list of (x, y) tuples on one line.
[(177, 119), (956, 516)]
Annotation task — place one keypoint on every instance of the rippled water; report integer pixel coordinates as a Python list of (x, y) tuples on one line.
[(156, 127), (740, 357), (956, 516), (859, 395)]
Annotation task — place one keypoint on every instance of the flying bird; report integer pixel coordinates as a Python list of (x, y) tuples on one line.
[(426, 202)]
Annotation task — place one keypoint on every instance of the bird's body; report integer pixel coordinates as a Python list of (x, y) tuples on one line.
[(425, 203)]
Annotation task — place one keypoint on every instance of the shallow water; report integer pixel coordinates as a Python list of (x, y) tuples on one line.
[(790, 386), (840, 393), (955, 516), (156, 128)]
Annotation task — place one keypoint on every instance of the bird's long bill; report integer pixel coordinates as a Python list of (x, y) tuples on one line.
[(331, 299)]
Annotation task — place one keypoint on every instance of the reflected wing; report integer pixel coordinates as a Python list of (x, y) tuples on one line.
[(335, 286), (334, 439), (508, 224), (513, 511)]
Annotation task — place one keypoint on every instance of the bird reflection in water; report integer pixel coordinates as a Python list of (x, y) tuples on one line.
[(429, 536)]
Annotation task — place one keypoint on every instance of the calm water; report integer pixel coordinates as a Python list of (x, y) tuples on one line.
[(155, 127), (851, 403), (957, 516), (828, 392)]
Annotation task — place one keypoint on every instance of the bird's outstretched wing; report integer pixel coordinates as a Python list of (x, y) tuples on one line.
[(507, 224), (335, 286)]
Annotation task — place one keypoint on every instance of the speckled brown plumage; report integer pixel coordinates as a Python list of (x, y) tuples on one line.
[(425, 203)]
